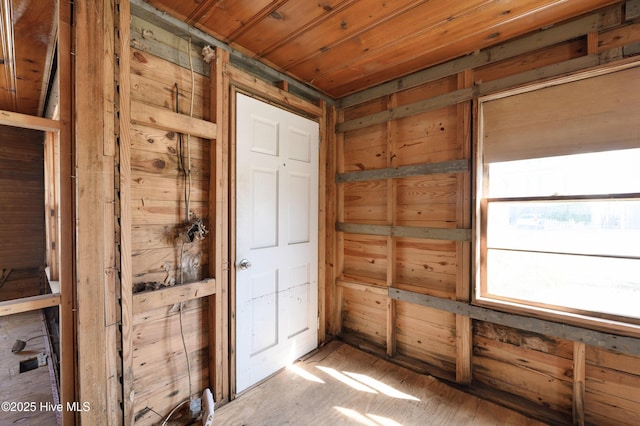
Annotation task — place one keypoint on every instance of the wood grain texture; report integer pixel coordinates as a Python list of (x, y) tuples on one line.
[(342, 385)]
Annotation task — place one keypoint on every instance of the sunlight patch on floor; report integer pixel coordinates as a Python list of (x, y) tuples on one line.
[(304, 374), (346, 380), (380, 387), (355, 416)]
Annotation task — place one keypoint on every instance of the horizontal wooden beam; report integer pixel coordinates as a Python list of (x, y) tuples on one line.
[(448, 234), (246, 80), (164, 119), (545, 38), (150, 38), (594, 338), (148, 300), (467, 94), (26, 304), (375, 289), (15, 119), (456, 166), (408, 110)]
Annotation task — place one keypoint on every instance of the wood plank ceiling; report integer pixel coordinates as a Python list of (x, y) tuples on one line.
[(337, 46), (344, 46), (27, 47)]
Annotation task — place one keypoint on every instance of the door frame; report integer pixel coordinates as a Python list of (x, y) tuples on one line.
[(277, 98)]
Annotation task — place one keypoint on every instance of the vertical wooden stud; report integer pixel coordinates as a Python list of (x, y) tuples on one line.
[(579, 367), (463, 249), (126, 272), (322, 220), (392, 102), (330, 219), (339, 246), (219, 268), (66, 216)]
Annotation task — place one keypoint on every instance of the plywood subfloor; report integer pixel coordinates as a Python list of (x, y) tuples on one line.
[(340, 385), (32, 387)]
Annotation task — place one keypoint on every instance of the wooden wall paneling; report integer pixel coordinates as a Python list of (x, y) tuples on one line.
[(66, 215), (612, 387), (365, 313), (464, 325), (163, 43), (392, 197), (126, 206), (429, 336), (92, 175), (219, 305), (533, 366)]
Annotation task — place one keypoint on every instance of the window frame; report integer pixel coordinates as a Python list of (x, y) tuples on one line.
[(480, 294)]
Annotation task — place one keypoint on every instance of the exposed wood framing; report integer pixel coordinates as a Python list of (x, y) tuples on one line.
[(579, 362), (624, 344), (392, 197), (218, 196), (146, 301), (450, 234), (545, 38), (94, 174), (167, 120), (8, 118), (323, 204), (455, 166), (126, 268), (165, 44), (26, 304), (151, 14), (66, 230), (243, 79), (466, 94), (464, 325)]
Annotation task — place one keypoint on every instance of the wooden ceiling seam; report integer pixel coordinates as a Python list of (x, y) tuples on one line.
[(356, 35), (260, 16), (303, 29), (151, 14)]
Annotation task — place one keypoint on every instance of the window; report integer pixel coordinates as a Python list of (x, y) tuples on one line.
[(558, 197)]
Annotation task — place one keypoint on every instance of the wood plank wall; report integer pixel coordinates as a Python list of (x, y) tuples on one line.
[(22, 221), (403, 210), (159, 260), (157, 192)]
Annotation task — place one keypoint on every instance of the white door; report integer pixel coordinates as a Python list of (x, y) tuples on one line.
[(276, 239)]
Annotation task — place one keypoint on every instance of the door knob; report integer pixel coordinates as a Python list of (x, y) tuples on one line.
[(244, 264)]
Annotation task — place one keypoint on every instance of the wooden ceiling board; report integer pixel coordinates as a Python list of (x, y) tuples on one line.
[(228, 16), (285, 22), (8, 84), (34, 35), (341, 27), (343, 46), (399, 59), (423, 22)]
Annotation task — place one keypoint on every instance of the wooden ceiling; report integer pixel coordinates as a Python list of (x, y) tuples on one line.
[(337, 46), (344, 46), (27, 47)]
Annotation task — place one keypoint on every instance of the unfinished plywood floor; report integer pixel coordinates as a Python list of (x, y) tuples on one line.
[(32, 387), (341, 385)]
